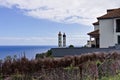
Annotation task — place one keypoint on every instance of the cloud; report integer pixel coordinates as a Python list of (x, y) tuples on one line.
[(63, 11), (27, 40), (77, 39)]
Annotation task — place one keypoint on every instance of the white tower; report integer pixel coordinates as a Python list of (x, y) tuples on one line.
[(59, 40), (64, 40)]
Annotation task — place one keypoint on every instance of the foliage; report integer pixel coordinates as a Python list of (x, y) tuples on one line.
[(92, 66), (71, 46), (48, 53), (1, 78), (21, 77), (116, 77), (43, 55)]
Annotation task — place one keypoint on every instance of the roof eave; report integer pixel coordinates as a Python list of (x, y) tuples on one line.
[(99, 18), (96, 23), (104, 18)]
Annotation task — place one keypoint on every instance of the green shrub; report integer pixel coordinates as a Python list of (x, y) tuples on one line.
[(71, 46), (21, 77)]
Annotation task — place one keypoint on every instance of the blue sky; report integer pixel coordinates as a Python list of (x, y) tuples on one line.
[(28, 22)]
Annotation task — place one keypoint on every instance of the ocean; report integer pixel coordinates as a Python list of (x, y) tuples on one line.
[(30, 51)]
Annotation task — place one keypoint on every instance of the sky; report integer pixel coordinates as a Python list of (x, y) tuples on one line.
[(38, 22)]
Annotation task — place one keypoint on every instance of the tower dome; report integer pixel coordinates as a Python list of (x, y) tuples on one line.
[(59, 34), (64, 35)]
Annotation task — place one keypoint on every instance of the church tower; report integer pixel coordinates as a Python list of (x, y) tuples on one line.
[(64, 40), (59, 40)]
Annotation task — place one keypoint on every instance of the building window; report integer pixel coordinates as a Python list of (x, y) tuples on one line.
[(118, 25), (118, 39)]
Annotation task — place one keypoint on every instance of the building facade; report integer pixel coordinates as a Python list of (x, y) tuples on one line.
[(107, 29)]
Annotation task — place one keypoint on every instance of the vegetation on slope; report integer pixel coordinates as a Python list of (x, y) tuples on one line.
[(91, 66)]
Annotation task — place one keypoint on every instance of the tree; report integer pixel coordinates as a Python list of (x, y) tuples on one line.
[(71, 46), (40, 55), (43, 55), (48, 53)]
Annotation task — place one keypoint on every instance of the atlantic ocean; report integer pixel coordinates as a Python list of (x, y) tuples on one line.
[(19, 51)]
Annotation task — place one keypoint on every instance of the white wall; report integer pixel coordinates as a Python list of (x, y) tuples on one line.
[(106, 33), (96, 27)]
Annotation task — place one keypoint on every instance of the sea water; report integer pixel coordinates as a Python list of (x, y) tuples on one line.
[(19, 51)]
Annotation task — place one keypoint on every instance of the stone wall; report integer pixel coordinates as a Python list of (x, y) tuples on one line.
[(60, 52)]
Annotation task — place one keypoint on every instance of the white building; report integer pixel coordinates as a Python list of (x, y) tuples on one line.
[(61, 40), (64, 40), (107, 30)]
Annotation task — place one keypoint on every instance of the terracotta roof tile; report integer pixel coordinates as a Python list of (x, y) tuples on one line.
[(112, 13), (96, 32)]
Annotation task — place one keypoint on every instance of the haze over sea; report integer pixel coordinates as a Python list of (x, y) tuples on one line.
[(30, 51)]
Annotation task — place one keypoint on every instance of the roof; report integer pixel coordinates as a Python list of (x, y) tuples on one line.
[(94, 33), (96, 23), (111, 13), (61, 52)]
